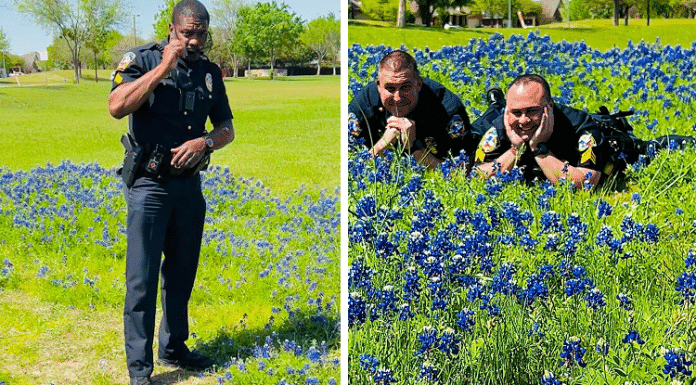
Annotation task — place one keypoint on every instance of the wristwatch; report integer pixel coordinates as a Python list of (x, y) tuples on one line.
[(540, 150), (209, 144)]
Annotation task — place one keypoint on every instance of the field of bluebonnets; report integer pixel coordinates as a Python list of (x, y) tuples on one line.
[(464, 281), (265, 306)]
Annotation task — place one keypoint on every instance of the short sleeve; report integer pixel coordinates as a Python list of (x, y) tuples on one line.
[(130, 68), (220, 110), (494, 142)]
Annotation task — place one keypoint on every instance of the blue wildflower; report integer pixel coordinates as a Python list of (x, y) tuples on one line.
[(632, 336), (676, 364), (572, 353)]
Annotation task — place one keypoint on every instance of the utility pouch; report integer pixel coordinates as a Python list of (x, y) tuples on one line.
[(131, 161)]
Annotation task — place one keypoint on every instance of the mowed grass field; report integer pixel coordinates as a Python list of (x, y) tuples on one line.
[(598, 34), (286, 129)]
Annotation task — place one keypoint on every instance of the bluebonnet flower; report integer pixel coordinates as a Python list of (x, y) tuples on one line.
[(439, 293), (690, 259), (632, 336), (356, 309), (604, 209), (602, 347), (412, 286), (428, 339), (572, 353), (604, 235), (686, 286), (449, 343), (677, 364), (383, 377), (388, 300), (651, 233), (549, 379), (624, 301), (366, 207), (405, 312), (635, 197), (536, 288), (367, 362), (595, 299), (428, 372), (313, 354), (312, 380)]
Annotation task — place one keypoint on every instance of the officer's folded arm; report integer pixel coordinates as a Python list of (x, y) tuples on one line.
[(554, 169)]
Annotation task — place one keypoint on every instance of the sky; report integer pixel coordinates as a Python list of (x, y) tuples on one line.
[(24, 36)]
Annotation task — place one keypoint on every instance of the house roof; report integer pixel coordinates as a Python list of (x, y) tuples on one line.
[(550, 7)]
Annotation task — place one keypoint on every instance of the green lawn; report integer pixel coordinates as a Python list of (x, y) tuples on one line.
[(598, 34), (285, 129)]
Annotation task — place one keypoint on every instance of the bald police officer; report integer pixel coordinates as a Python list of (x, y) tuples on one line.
[(168, 90), (403, 110)]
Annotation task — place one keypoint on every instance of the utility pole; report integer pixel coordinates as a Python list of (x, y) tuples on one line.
[(509, 13), (135, 43)]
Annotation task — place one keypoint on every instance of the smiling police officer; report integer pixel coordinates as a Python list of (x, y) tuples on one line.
[(403, 110), (168, 90), (545, 139)]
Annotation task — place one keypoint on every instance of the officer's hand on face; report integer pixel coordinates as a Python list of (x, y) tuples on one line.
[(515, 139), (406, 127), (188, 154), (174, 50), (543, 133)]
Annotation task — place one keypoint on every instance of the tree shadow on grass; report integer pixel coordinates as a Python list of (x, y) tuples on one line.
[(173, 377), (303, 328)]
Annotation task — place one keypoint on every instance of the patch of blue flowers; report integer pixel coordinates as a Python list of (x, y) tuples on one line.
[(500, 282)]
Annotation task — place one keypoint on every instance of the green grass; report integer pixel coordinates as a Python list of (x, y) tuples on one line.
[(285, 129), (598, 34)]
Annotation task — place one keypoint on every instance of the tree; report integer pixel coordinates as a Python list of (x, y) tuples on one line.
[(4, 46), (163, 18), (321, 36), (68, 19), (401, 14), (268, 30), (384, 10), (427, 8), (102, 16), (500, 7), (225, 15)]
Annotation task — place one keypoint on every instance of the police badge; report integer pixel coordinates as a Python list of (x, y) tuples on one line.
[(490, 140), (209, 82)]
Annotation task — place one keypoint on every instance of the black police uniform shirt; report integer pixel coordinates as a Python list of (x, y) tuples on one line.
[(163, 118), (442, 124), (576, 140)]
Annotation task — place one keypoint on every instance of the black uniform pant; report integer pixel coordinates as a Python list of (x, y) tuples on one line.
[(162, 218)]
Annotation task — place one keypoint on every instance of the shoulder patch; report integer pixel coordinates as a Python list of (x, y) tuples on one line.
[(586, 141), (354, 125), (125, 61), (456, 127), (588, 156), (490, 141)]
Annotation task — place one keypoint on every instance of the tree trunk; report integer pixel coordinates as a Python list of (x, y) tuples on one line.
[(648, 18), (626, 16), (96, 74), (401, 16), (616, 13), (271, 67), (319, 59)]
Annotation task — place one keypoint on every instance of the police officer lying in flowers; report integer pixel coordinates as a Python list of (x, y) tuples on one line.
[(541, 138), (404, 111)]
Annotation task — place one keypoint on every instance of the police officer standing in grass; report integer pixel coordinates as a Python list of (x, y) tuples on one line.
[(404, 111), (545, 139), (168, 90)]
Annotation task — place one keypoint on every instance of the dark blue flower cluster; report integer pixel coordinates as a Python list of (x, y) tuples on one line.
[(677, 364)]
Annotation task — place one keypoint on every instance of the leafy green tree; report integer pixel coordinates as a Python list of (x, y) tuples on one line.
[(321, 36), (4, 46), (384, 10), (427, 8), (500, 7), (267, 30), (578, 10), (102, 17), (163, 18), (224, 19), (68, 19)]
